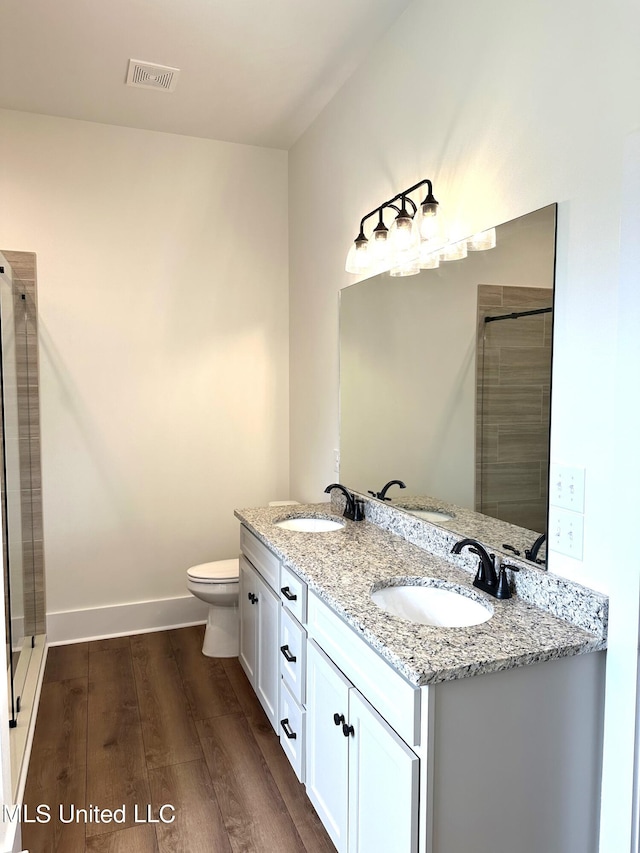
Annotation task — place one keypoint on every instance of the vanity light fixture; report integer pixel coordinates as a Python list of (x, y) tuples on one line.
[(414, 241), (399, 247)]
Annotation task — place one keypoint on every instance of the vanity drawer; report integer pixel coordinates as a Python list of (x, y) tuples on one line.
[(293, 594), (292, 730), (260, 557), (393, 697), (293, 655)]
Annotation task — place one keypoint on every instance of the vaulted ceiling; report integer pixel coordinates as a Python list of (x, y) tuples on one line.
[(251, 71)]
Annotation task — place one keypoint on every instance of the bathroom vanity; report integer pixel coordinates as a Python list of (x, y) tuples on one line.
[(412, 737)]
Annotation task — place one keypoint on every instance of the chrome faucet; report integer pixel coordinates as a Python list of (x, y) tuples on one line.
[(382, 494), (354, 507), (487, 579)]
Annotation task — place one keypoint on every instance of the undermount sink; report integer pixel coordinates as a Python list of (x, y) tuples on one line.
[(431, 605), (434, 515), (310, 525)]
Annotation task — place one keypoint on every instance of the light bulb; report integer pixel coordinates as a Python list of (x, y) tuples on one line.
[(454, 251), (482, 241), (380, 248), (427, 220), (403, 234), (358, 259)]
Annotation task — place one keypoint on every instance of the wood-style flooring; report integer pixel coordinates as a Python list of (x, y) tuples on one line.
[(135, 723)]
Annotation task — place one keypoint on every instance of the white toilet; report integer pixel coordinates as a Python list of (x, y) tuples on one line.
[(218, 584)]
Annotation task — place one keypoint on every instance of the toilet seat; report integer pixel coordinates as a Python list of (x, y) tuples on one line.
[(220, 571)]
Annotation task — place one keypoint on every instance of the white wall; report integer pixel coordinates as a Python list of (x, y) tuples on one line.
[(506, 107), (162, 276)]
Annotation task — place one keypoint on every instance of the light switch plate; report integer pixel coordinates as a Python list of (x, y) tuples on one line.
[(566, 532), (566, 487)]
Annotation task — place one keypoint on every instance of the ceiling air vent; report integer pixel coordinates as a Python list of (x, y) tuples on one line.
[(147, 75)]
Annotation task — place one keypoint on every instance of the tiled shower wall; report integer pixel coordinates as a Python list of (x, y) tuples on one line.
[(513, 377), (23, 265)]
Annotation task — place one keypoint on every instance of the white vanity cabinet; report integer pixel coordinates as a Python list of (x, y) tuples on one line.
[(259, 630), (506, 761), (361, 777)]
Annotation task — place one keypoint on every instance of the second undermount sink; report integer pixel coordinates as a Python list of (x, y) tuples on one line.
[(432, 605), (435, 515), (309, 525)]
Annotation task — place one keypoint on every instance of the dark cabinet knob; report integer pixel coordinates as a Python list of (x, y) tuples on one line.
[(290, 596), (252, 598), (347, 730), (338, 719), (287, 654)]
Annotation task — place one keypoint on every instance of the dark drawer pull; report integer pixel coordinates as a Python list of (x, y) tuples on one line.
[(338, 718), (287, 654), (290, 596), (252, 598), (287, 729), (347, 730)]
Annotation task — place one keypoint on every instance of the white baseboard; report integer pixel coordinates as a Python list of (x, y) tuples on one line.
[(117, 620)]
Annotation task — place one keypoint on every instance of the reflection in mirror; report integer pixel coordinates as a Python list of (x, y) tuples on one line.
[(444, 383)]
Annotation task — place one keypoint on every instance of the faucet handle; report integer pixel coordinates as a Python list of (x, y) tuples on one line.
[(358, 509), (503, 589)]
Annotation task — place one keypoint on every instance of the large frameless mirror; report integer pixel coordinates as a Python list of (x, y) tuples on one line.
[(445, 384)]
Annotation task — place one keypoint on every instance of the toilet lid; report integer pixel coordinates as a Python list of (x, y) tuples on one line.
[(220, 571)]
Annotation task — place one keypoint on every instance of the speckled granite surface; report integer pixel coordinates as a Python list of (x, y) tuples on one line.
[(577, 604), (343, 567), (465, 522)]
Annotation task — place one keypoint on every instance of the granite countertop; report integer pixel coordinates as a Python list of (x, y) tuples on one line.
[(342, 567), (467, 522)]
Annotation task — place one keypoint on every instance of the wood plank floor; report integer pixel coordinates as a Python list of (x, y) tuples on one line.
[(135, 723)]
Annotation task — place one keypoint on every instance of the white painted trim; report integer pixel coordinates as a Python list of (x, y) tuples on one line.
[(117, 620)]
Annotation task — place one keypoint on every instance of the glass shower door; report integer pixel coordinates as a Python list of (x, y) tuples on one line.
[(13, 336)]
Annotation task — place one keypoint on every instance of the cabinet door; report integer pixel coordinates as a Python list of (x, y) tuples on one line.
[(267, 684), (327, 749), (248, 620), (383, 784)]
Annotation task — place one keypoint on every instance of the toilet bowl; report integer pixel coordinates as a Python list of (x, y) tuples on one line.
[(218, 584)]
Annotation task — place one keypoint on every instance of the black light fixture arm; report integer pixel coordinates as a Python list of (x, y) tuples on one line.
[(403, 197)]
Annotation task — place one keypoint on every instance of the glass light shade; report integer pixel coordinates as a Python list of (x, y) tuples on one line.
[(406, 266), (429, 259), (427, 221), (380, 249), (358, 259), (454, 251), (403, 235), (482, 241)]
